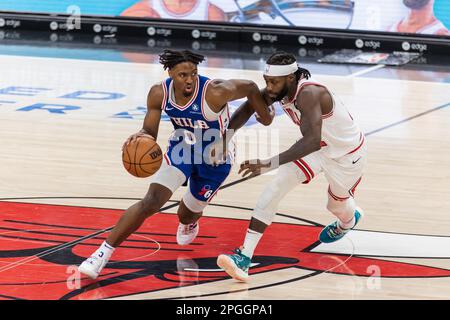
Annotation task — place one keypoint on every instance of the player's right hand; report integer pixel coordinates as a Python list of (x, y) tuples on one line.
[(133, 137)]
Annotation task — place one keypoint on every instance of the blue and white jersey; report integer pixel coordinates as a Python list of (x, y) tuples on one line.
[(194, 123), (195, 114)]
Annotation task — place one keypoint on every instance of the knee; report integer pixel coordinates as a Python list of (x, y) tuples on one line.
[(192, 205)]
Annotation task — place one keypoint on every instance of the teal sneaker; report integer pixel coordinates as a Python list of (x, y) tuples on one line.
[(236, 265), (334, 232)]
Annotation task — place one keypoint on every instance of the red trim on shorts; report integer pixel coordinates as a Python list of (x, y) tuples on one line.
[(360, 145), (167, 159), (335, 197), (305, 171), (352, 190), (307, 167)]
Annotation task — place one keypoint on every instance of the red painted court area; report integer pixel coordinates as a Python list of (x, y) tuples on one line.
[(40, 245)]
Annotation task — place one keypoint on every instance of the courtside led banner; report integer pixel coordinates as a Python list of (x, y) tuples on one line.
[(424, 17)]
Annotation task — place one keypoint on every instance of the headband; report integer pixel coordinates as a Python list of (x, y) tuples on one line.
[(273, 70)]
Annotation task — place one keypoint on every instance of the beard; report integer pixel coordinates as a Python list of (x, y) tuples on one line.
[(415, 4), (283, 93)]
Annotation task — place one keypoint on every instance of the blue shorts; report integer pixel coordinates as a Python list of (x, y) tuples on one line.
[(204, 179)]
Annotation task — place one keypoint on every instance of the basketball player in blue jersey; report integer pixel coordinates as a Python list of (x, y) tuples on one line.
[(198, 109)]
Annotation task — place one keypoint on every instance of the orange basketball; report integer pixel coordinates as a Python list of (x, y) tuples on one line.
[(142, 157)]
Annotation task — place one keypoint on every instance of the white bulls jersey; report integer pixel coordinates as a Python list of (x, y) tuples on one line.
[(432, 28), (198, 12), (340, 134)]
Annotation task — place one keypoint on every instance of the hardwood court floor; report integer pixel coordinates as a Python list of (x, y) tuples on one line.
[(62, 126)]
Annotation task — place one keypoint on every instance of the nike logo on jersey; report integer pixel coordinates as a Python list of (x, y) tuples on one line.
[(356, 160)]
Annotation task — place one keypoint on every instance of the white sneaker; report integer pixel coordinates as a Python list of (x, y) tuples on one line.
[(92, 266), (187, 233)]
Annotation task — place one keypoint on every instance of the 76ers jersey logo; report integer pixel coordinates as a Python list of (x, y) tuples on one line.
[(206, 191)]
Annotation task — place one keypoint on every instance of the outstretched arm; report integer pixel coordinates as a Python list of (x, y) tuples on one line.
[(220, 92), (311, 128)]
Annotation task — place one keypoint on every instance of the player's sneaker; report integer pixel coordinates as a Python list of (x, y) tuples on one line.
[(236, 265), (334, 232), (92, 266), (187, 233)]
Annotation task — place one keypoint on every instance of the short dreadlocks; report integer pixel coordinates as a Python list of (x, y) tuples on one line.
[(170, 58)]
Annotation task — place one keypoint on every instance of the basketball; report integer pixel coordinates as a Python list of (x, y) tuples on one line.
[(142, 157)]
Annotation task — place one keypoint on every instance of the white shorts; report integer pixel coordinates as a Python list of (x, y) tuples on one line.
[(169, 176), (343, 174), (172, 178)]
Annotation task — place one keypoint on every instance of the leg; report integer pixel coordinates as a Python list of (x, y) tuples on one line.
[(288, 176), (189, 211), (166, 181), (135, 215), (237, 265), (186, 215), (343, 175), (204, 183), (342, 208), (348, 216)]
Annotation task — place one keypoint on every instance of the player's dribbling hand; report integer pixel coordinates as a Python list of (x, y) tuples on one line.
[(254, 168), (133, 137)]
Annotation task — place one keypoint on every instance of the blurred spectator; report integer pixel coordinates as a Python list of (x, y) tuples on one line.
[(420, 19), (176, 9)]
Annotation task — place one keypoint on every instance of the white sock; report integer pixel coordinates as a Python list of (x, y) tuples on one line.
[(251, 241), (105, 251), (349, 224)]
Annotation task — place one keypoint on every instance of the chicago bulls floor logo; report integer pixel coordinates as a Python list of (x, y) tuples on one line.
[(41, 245)]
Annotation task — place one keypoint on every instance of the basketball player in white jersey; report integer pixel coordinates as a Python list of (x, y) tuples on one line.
[(176, 9), (420, 19), (331, 143)]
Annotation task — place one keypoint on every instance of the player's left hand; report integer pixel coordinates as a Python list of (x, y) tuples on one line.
[(254, 168)]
